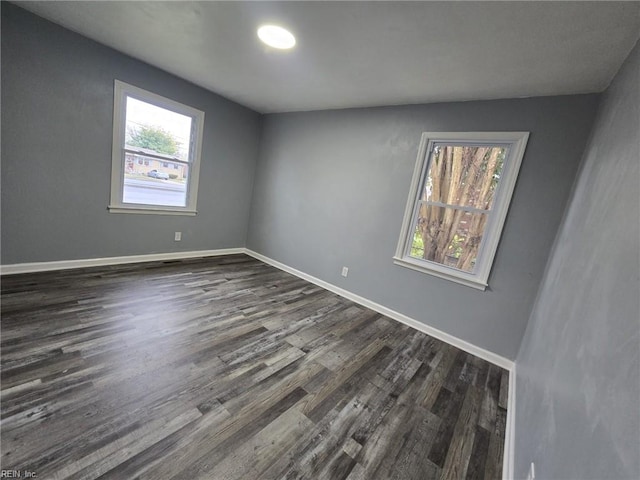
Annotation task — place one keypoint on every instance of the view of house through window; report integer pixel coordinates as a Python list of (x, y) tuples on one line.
[(157, 151), (456, 199)]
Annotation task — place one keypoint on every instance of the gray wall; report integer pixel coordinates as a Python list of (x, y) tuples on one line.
[(57, 110), (331, 189), (578, 370)]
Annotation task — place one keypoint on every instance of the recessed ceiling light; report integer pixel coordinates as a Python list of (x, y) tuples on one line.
[(276, 37)]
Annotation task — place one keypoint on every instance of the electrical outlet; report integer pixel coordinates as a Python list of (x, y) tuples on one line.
[(532, 472), (178, 236), (345, 271)]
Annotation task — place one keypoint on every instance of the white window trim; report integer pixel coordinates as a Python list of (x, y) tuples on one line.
[(116, 205), (479, 277)]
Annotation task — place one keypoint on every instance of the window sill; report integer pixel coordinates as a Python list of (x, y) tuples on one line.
[(150, 211), (442, 272)]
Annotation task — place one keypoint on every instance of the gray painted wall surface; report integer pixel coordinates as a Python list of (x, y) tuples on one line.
[(578, 370), (57, 110), (331, 189)]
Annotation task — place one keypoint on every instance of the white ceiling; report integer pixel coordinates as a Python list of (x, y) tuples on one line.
[(367, 53)]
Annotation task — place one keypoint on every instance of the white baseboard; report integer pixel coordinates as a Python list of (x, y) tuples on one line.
[(508, 463), (509, 454), (98, 262)]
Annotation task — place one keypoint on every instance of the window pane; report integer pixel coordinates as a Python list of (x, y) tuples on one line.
[(158, 130), (464, 175), (448, 236), (153, 184)]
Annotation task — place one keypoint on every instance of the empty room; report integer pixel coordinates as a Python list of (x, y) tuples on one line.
[(320, 240)]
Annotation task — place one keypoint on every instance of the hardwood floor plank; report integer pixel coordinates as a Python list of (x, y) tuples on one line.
[(344, 373), (412, 463), (383, 445), (448, 408), (503, 397), (459, 451), (264, 448), (478, 457), (490, 399), (236, 436), (439, 374)]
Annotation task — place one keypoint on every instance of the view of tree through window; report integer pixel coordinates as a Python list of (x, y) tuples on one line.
[(154, 138), (455, 201)]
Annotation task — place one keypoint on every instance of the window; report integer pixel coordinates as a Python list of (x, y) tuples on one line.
[(156, 131), (458, 201)]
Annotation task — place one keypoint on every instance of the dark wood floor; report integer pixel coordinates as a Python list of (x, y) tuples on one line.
[(227, 368)]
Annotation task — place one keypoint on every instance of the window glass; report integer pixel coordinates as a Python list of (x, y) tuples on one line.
[(156, 153)]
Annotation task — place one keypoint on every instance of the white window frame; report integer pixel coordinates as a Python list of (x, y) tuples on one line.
[(116, 205), (478, 278)]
